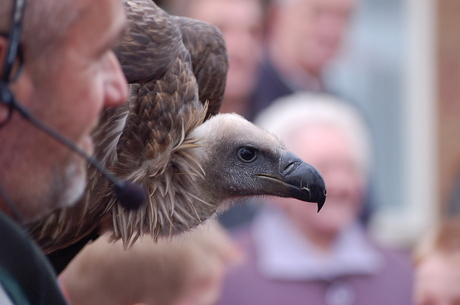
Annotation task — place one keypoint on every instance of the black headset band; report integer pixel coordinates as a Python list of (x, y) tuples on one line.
[(13, 51), (14, 39)]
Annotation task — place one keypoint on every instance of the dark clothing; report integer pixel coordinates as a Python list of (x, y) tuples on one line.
[(59, 259), (240, 214), (25, 274), (269, 87)]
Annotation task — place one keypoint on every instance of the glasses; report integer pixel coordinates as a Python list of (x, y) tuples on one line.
[(13, 54)]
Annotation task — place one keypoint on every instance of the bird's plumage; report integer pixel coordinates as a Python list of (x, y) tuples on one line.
[(168, 139)]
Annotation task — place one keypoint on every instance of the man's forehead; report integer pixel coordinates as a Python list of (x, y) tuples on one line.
[(104, 20), (92, 8)]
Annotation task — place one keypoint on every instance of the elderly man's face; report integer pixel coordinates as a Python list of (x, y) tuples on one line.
[(329, 150), (85, 76), (315, 30)]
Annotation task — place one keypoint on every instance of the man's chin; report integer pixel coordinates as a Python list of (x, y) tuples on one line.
[(67, 199), (87, 145), (69, 185), (61, 188), (73, 194), (74, 187)]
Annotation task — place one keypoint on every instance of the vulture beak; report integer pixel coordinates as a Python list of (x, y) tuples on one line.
[(303, 180), (299, 180)]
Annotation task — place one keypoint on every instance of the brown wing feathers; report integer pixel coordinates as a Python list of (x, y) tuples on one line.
[(205, 44)]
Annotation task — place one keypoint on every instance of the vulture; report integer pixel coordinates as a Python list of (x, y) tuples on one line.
[(170, 138)]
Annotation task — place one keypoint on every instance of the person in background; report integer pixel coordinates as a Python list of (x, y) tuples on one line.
[(241, 22), (303, 38), (186, 270), (65, 73), (437, 266), (298, 256)]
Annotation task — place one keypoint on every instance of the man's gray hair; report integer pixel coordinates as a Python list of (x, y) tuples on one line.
[(290, 113), (45, 23)]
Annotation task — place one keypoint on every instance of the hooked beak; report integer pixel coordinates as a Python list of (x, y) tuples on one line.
[(305, 181), (298, 179)]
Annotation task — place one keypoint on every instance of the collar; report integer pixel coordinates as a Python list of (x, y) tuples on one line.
[(285, 254)]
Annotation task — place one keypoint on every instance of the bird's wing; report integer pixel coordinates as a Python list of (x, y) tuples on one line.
[(150, 44), (137, 141), (144, 56), (207, 49)]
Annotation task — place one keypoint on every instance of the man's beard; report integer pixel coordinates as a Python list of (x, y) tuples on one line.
[(71, 186), (66, 188)]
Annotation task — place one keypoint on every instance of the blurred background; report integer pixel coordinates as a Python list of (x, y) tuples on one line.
[(401, 64), (391, 68)]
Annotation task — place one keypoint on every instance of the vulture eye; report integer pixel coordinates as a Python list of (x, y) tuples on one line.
[(247, 154)]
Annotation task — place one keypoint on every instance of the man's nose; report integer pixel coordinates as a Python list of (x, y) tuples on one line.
[(116, 86)]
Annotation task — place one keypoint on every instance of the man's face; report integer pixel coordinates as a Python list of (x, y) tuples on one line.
[(330, 151), (316, 29), (437, 280), (83, 77), (241, 24)]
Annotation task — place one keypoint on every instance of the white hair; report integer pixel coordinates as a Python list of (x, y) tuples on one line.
[(290, 113), (45, 22)]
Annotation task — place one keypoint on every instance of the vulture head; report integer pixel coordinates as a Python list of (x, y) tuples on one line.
[(224, 159), (241, 159), (168, 138)]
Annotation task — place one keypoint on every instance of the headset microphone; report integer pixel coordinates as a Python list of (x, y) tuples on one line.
[(130, 195)]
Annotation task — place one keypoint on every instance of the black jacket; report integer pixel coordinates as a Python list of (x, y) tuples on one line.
[(25, 273)]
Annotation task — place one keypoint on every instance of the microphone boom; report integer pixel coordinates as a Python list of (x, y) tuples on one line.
[(130, 195)]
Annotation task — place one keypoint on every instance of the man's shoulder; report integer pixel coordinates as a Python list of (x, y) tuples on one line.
[(270, 79), (269, 87), (23, 263)]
